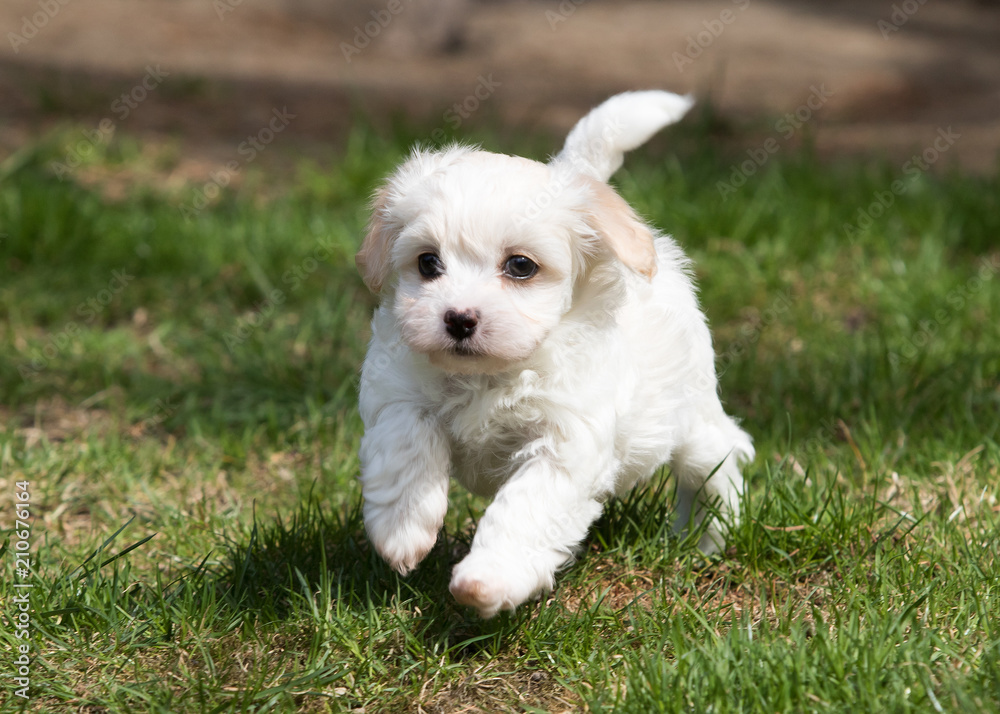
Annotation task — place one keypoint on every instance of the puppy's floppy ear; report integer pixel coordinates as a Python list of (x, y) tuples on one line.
[(373, 260), (617, 225)]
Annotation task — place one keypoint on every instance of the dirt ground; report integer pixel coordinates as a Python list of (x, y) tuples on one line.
[(867, 77)]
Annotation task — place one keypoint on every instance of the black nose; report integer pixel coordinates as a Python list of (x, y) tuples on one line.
[(461, 325)]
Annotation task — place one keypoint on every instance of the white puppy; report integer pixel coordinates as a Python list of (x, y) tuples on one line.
[(542, 345)]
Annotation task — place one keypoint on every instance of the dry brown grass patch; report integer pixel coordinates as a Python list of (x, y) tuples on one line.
[(491, 689)]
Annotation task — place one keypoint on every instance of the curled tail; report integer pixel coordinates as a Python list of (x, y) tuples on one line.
[(597, 144)]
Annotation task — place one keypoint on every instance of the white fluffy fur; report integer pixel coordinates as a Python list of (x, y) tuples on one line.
[(597, 144), (577, 384)]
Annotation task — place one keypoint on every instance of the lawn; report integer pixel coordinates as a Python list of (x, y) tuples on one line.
[(178, 420)]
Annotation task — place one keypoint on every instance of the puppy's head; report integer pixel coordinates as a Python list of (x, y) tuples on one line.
[(482, 254)]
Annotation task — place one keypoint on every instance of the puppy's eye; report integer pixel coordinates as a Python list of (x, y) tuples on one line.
[(520, 267), (429, 265)]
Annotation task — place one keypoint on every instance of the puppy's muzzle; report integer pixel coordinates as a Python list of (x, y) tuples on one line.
[(461, 324)]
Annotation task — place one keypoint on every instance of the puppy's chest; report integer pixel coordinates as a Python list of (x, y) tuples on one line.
[(490, 419)]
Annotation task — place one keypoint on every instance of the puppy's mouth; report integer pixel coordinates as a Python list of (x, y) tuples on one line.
[(464, 358), (461, 349)]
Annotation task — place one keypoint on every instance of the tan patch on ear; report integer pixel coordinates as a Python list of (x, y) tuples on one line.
[(620, 228), (373, 260)]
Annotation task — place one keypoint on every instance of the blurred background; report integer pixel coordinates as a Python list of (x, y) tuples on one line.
[(878, 77)]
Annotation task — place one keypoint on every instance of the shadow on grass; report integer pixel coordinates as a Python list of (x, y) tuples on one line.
[(322, 557)]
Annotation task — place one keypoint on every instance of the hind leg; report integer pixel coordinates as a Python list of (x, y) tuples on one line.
[(709, 480)]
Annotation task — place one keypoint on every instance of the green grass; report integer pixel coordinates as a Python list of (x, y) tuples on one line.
[(188, 387)]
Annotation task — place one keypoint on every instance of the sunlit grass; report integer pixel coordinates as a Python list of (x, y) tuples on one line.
[(191, 380)]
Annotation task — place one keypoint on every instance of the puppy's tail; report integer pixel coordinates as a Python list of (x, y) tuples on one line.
[(597, 144)]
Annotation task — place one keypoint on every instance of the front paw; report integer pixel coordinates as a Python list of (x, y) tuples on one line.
[(402, 543), (491, 584)]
